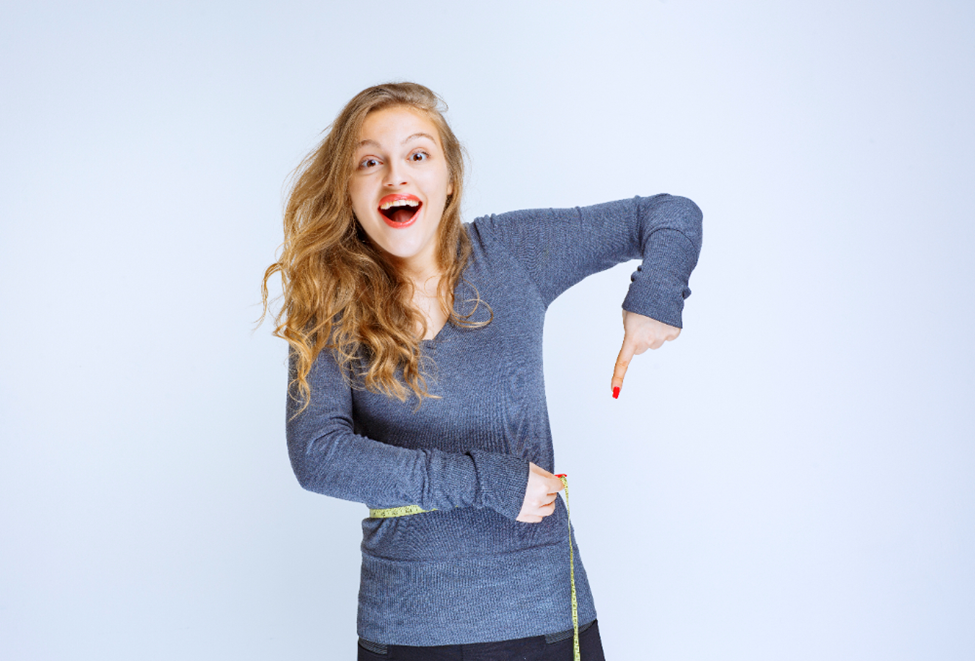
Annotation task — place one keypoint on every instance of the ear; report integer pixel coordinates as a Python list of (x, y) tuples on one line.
[(450, 189)]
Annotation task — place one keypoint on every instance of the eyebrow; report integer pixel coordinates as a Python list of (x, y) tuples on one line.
[(412, 137)]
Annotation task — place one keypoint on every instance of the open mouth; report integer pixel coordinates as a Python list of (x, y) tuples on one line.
[(399, 210)]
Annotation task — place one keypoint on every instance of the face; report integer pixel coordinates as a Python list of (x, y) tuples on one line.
[(400, 185)]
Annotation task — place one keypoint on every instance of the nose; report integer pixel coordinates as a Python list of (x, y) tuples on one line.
[(395, 175)]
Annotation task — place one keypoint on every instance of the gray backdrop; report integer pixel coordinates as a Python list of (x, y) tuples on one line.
[(797, 466)]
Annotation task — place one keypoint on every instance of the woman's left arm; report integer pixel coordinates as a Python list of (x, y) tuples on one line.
[(560, 247)]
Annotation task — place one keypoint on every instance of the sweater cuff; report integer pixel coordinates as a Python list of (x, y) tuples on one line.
[(659, 286), (502, 480)]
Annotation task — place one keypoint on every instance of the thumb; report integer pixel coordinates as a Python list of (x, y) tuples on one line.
[(622, 363)]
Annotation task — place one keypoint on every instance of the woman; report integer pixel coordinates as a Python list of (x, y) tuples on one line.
[(416, 376)]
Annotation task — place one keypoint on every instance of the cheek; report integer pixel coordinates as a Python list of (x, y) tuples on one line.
[(361, 201), (355, 193), (440, 183)]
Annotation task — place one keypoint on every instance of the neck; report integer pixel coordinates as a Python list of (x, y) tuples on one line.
[(422, 270)]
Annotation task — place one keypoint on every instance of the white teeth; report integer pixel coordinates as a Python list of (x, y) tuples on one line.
[(400, 203)]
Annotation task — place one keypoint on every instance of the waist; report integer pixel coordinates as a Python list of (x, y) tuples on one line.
[(458, 534)]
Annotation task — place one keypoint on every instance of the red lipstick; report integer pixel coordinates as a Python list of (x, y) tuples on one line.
[(402, 215)]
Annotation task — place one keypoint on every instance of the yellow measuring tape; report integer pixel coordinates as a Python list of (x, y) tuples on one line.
[(572, 572), (407, 510)]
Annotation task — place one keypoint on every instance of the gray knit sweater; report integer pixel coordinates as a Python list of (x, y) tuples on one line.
[(469, 572)]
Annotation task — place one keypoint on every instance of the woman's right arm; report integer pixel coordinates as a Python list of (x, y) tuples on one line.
[(329, 458)]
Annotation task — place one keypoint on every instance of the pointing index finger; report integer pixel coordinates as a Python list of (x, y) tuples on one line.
[(622, 363)]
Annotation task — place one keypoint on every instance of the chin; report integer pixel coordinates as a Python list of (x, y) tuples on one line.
[(398, 249)]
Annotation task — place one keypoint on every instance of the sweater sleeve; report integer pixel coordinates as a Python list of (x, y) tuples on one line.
[(560, 247), (329, 458)]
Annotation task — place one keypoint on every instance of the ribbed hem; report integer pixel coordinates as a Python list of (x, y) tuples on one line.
[(550, 638), (501, 482), (659, 291)]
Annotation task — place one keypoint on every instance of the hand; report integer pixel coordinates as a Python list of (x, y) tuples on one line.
[(540, 494), (639, 334)]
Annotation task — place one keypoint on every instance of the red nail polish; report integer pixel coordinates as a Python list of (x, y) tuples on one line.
[(561, 475), (616, 392)]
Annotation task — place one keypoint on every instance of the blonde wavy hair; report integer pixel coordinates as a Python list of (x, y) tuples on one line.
[(339, 291)]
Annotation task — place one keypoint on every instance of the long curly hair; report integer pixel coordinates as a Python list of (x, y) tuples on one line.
[(339, 291)]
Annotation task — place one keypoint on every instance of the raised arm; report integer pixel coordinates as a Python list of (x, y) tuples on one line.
[(329, 458), (560, 247)]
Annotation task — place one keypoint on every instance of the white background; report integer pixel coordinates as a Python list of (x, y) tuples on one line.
[(791, 479)]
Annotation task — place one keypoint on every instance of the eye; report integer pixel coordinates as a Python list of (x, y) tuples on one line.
[(367, 163), (419, 156)]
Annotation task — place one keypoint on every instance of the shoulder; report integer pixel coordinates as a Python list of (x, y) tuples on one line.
[(484, 235)]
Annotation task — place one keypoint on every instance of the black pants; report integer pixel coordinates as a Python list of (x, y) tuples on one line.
[(536, 648)]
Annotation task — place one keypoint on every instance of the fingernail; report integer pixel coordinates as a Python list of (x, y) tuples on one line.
[(616, 392)]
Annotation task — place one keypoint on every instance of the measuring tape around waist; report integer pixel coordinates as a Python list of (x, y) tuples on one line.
[(407, 510)]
